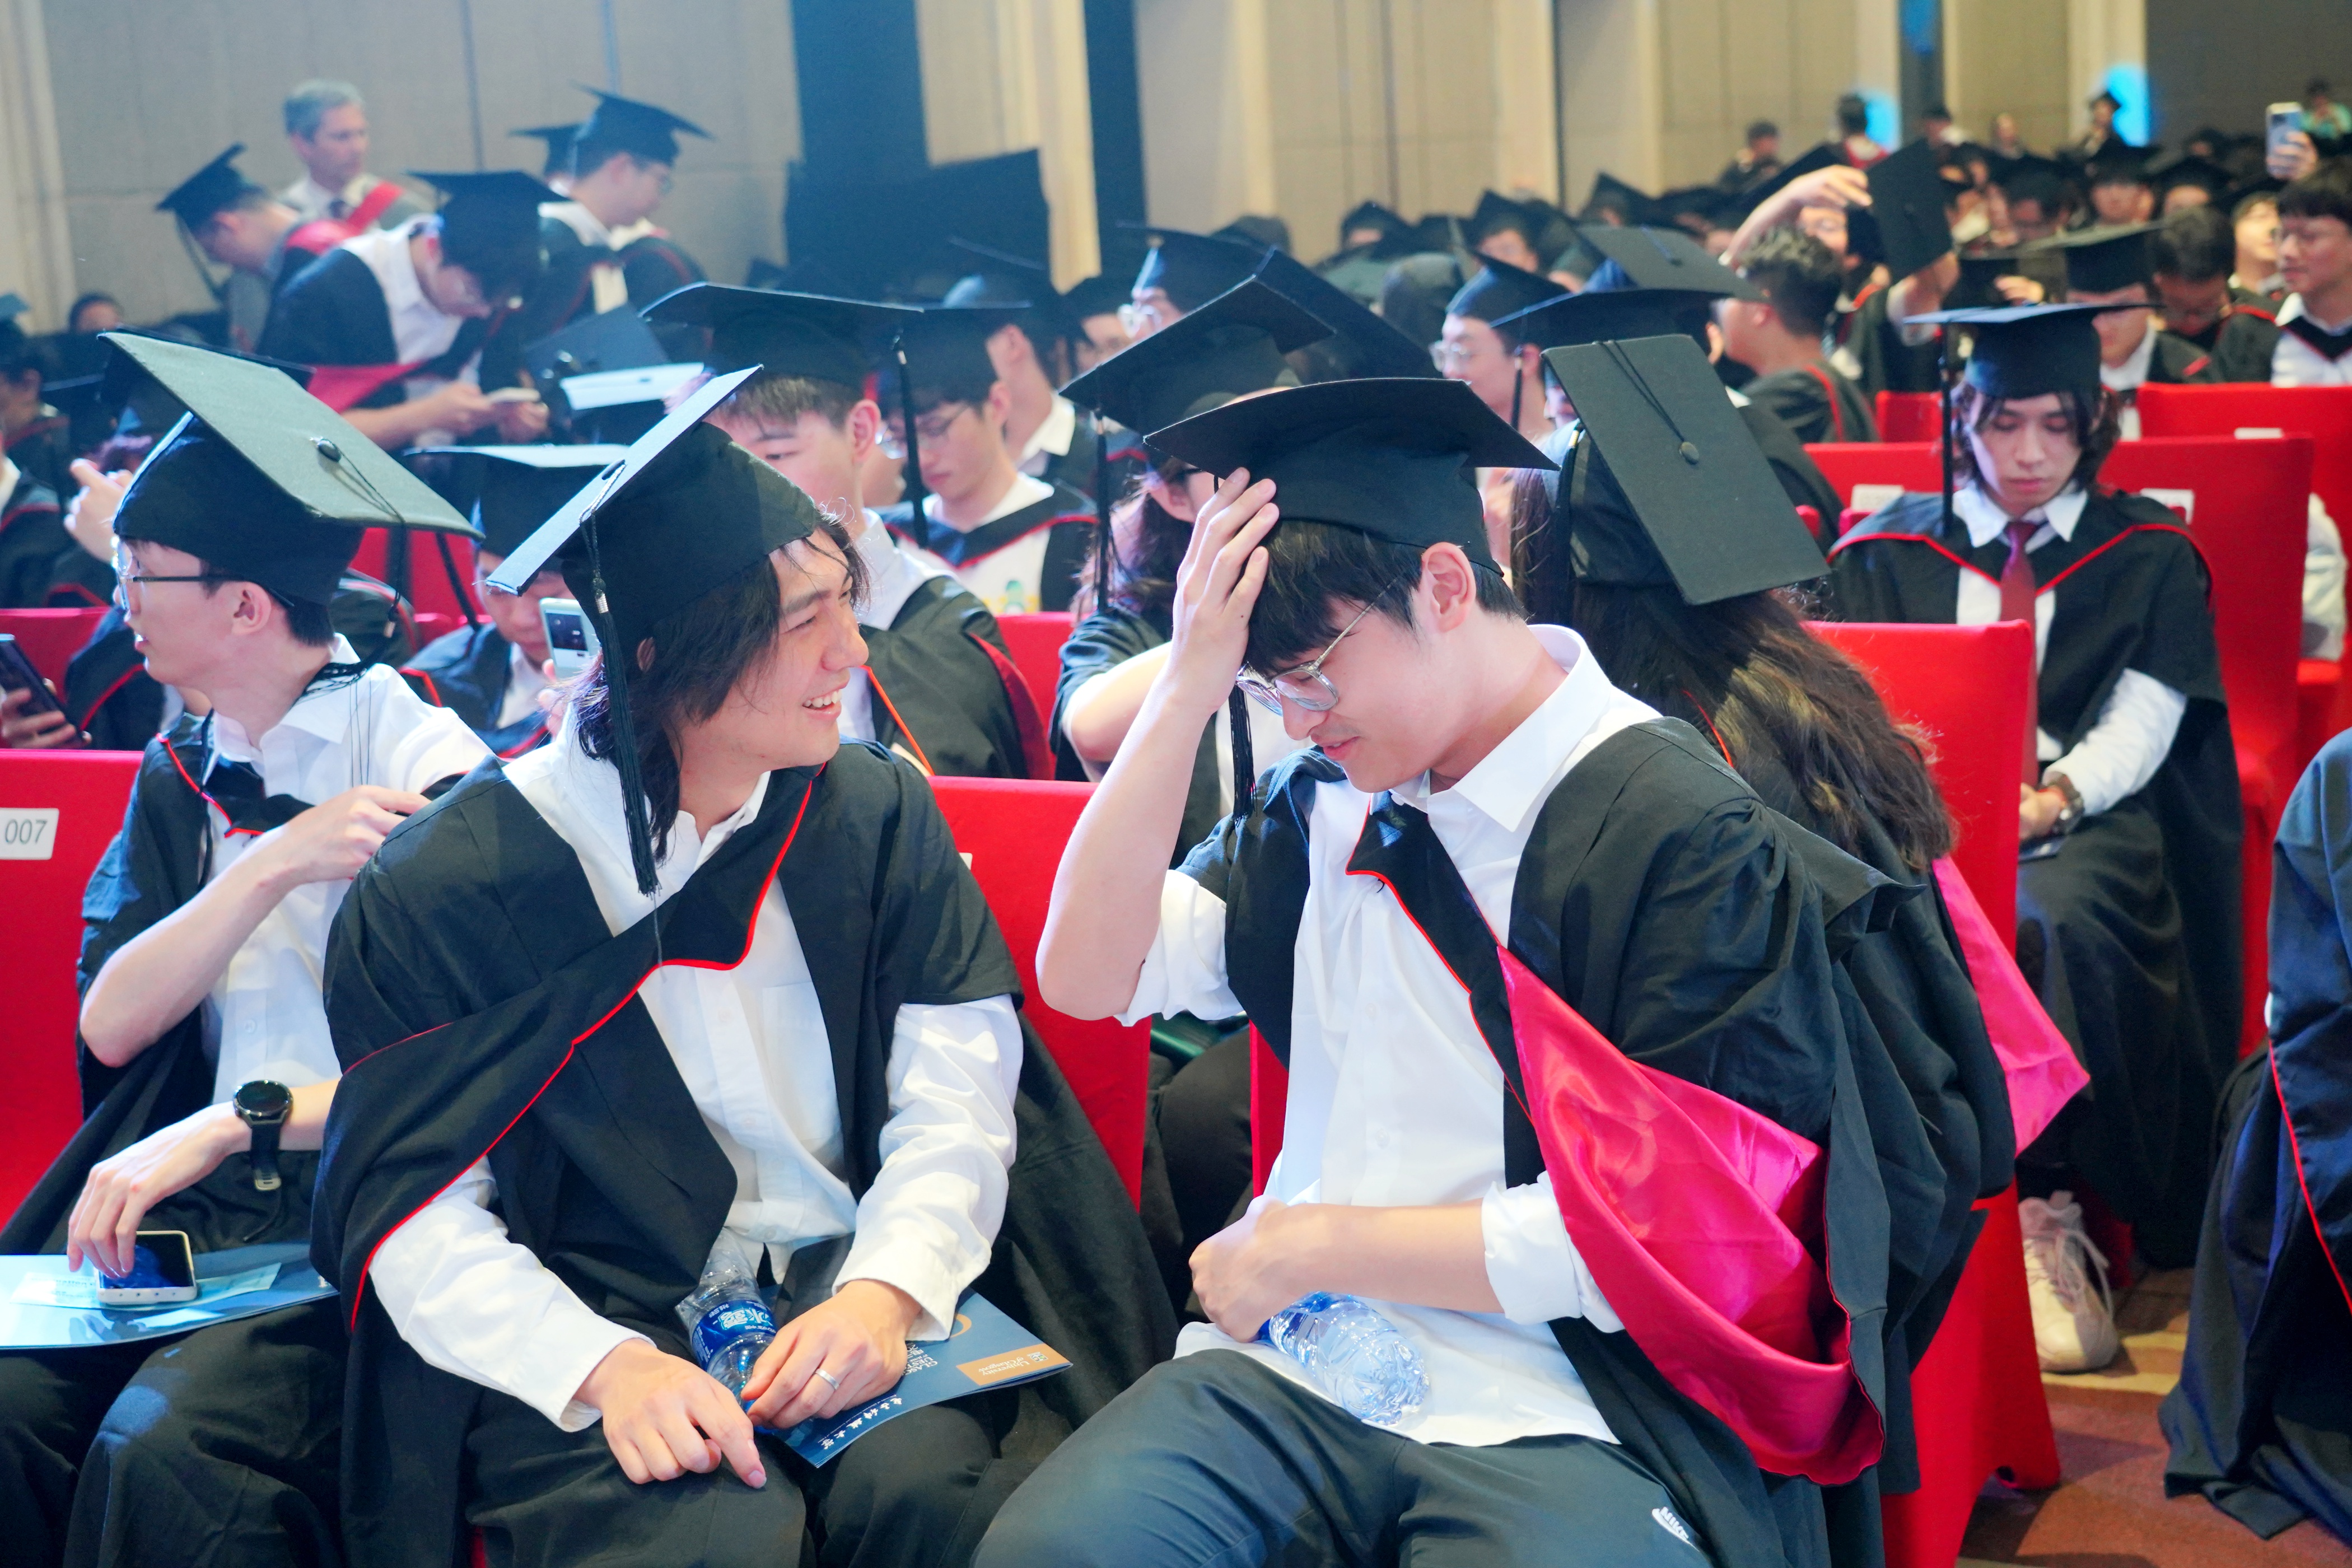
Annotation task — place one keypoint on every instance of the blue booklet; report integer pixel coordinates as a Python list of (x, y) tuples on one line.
[(984, 1349), (43, 1306)]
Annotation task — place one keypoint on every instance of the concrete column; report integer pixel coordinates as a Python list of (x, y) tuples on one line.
[(36, 257), (1208, 123)]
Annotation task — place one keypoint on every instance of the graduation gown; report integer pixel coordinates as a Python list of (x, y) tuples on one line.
[(1103, 641), (1799, 475), (2240, 344), (40, 564), (1816, 402), (481, 1008), (2260, 1421), (2176, 362), (1067, 512), (1698, 932), (945, 690), (44, 451), (1886, 363), (2130, 931), (333, 313), (466, 672)]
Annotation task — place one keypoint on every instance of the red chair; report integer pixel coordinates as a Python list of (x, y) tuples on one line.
[(1908, 416), (1012, 832), (58, 811), (51, 638), (431, 626), (1902, 464), (1035, 644), (423, 578)]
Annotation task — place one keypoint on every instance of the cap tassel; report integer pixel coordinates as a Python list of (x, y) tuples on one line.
[(1237, 715), (914, 474), (1943, 399), (624, 729), (1109, 546)]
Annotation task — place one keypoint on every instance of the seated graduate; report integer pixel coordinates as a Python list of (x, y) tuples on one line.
[(2314, 262), (2111, 267), (40, 564), (239, 226), (1501, 367), (1032, 352), (1654, 283), (397, 317), (1476, 781), (547, 1134), (938, 687), (2127, 888), (1183, 272), (1689, 610), (36, 438), (2259, 1421), (1015, 542), (203, 1051), (2189, 261), (491, 675), (1779, 337)]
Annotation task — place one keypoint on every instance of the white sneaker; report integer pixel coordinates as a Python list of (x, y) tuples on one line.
[(2067, 1281)]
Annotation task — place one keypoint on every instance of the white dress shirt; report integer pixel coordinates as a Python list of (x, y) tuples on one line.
[(2295, 362), (608, 290), (1394, 1099), (1006, 580), (893, 573), (1052, 438), (263, 1017), (2130, 376), (751, 1045), (525, 681), (421, 330), (2121, 751)]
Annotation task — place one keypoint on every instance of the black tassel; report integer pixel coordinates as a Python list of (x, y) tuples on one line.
[(1944, 390), (1237, 713), (1106, 548), (914, 472), (618, 663), (456, 579)]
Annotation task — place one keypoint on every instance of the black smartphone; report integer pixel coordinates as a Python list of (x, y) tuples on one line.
[(18, 674), (162, 1269)]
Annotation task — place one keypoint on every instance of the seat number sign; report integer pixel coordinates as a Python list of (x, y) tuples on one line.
[(27, 832)]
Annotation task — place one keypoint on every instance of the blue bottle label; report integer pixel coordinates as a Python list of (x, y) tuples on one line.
[(727, 1322)]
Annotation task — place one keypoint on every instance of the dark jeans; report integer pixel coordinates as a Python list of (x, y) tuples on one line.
[(1212, 1459)]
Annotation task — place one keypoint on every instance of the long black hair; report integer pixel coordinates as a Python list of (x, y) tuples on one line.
[(1143, 576)]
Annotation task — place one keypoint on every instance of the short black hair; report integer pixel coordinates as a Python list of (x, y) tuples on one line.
[(73, 312), (2039, 186), (2325, 191), (1799, 276), (1852, 114), (1319, 574), (784, 399), (311, 624), (501, 265), (2196, 245), (1759, 128)]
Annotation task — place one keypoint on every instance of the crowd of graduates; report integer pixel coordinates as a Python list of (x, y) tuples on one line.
[(1441, 651)]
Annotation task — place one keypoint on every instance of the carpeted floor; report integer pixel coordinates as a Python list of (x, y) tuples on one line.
[(2110, 1510)]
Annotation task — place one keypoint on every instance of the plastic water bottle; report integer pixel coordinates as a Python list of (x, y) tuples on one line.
[(728, 1322), (1357, 1355)]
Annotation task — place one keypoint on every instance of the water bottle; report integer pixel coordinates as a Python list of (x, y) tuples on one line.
[(728, 1322), (1368, 1368)]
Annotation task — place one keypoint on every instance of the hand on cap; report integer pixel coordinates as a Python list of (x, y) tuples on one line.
[(1217, 587), (90, 516), (2016, 291), (30, 731)]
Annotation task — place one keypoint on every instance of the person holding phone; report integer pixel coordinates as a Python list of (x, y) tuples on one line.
[(205, 1063)]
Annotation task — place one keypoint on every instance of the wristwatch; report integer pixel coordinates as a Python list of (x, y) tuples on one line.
[(2070, 814), (263, 1106)]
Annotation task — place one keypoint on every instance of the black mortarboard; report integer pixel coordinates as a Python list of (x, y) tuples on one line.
[(619, 124), (261, 480), (1681, 493), (947, 355), (784, 334), (1821, 155), (1372, 215), (1496, 211), (683, 512), (2026, 167), (1906, 207), (1597, 315), (1979, 268), (1194, 269), (509, 492), (1015, 284), (494, 212), (1704, 207), (146, 404), (608, 339), (1661, 258), (2102, 261), (559, 140), (1363, 344), (1500, 290), (2190, 170), (1098, 296), (1254, 229), (1393, 459), (217, 185), (1232, 345), (2119, 163), (1614, 195), (2026, 350)]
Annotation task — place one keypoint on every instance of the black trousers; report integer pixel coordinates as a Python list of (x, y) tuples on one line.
[(1204, 1125), (217, 1447), (1214, 1460), (915, 1492)]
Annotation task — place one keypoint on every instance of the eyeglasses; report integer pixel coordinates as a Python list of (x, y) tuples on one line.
[(1306, 686), (1137, 320), (550, 578), (1446, 356), (935, 426), (126, 579)]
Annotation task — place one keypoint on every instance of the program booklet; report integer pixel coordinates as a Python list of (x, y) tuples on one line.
[(984, 1349)]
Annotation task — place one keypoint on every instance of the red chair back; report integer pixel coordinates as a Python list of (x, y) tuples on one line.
[(1885, 464), (1908, 416), (1035, 644), (51, 638), (2322, 412), (58, 811), (1012, 831), (431, 626), (427, 587)]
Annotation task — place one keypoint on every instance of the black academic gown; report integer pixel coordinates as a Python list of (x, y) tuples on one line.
[(2240, 344), (1799, 476), (1816, 402), (466, 672), (334, 312), (481, 1008), (1888, 363), (2176, 362), (1067, 512), (943, 688), (2130, 932), (2260, 1421), (1103, 642), (44, 451), (40, 564), (1729, 980)]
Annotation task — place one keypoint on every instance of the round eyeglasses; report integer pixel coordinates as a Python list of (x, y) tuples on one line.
[(1306, 686)]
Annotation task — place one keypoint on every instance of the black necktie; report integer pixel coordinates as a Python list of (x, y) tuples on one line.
[(2331, 345)]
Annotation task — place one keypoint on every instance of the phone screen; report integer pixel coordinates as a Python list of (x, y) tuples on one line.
[(158, 1261), (570, 640), (2283, 119)]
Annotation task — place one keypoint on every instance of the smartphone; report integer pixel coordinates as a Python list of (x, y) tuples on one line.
[(2279, 121), (162, 1269), (18, 674), (570, 640)]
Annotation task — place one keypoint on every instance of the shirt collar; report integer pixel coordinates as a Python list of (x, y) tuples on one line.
[(1515, 778), (1986, 521), (2133, 372), (9, 475), (593, 788), (386, 253), (579, 220), (2294, 310), (1024, 492), (1054, 435), (323, 711)]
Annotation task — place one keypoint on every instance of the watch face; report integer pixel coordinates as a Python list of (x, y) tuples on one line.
[(264, 1099)]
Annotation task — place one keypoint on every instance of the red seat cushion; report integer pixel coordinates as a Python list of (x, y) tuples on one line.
[(51, 638)]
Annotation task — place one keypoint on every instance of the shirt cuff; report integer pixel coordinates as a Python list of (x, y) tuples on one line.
[(915, 1268), (581, 1354), (1533, 1267)]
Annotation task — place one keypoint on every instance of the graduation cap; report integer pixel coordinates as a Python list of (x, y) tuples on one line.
[(216, 186), (1599, 315), (1496, 211), (1674, 489), (1251, 229), (1015, 284), (1372, 215), (677, 515), (1660, 259), (492, 217), (810, 335), (1907, 193), (2026, 350), (609, 340), (1229, 346), (1704, 207), (619, 124), (2102, 261), (1979, 268), (2119, 163), (509, 492), (946, 354), (1500, 290), (1194, 269), (1393, 459), (559, 140), (1097, 295), (1613, 195), (260, 479), (1363, 344), (1821, 155), (145, 403), (2190, 170)]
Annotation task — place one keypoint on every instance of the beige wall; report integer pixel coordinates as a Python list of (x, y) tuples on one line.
[(145, 92), (2011, 56)]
